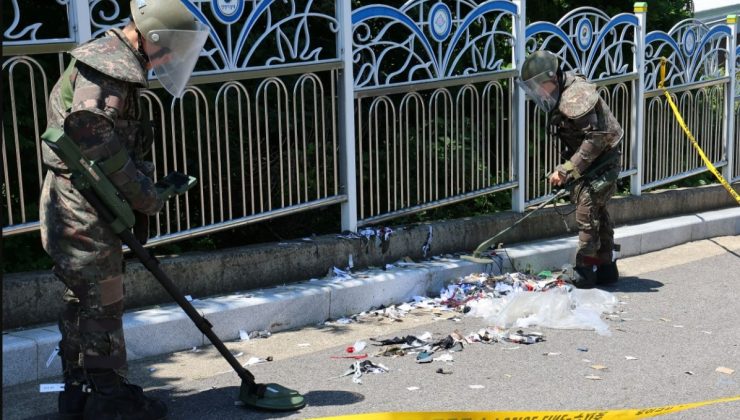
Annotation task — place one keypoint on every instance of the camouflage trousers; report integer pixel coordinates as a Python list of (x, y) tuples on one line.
[(595, 227), (88, 259)]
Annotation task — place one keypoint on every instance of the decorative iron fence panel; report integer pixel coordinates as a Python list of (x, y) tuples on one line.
[(388, 111), (433, 105), (698, 84)]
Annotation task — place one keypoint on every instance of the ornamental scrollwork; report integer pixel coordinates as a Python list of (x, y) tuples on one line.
[(692, 50), (588, 41), (430, 40)]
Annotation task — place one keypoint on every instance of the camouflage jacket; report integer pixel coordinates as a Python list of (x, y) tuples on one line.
[(104, 116), (585, 125)]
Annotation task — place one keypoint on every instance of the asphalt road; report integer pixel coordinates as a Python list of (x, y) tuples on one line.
[(678, 322)]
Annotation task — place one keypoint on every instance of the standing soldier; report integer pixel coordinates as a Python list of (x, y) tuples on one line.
[(95, 102), (590, 137)]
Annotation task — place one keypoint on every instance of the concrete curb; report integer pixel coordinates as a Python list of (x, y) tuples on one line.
[(167, 329)]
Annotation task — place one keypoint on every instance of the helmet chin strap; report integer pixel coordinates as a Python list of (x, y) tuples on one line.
[(141, 46)]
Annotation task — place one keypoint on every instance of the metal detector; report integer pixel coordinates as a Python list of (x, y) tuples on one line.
[(478, 257)]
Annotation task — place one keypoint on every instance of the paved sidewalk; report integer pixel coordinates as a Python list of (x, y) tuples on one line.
[(27, 355)]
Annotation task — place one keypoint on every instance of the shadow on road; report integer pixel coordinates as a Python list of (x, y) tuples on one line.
[(634, 285), (219, 403), (332, 398)]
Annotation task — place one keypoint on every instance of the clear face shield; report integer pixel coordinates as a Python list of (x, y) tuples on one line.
[(173, 53), (543, 89)]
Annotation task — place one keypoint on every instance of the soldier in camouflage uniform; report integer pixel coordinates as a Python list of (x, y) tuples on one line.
[(96, 103), (590, 136)]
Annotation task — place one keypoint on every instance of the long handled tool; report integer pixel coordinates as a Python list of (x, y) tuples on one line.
[(263, 396), (478, 257)]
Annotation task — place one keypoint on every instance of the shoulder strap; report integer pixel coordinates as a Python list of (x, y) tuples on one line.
[(67, 92)]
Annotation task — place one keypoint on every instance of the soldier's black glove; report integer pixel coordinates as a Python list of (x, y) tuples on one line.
[(173, 184)]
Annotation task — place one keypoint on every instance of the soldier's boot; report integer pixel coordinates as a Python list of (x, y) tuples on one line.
[(608, 273), (584, 276), (71, 401), (114, 398)]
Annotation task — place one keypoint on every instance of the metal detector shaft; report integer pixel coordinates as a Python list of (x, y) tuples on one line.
[(485, 245), (151, 263)]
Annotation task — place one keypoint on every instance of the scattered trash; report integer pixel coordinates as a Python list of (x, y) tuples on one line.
[(339, 274), (725, 370), (599, 367), (240, 354), (53, 354), (304, 344), (188, 298), (151, 369), (195, 350), (413, 388), (243, 335), (444, 358), (256, 360), (583, 349), (259, 334), (358, 346), (476, 386), (688, 372), (444, 372), (665, 319), (427, 244), (706, 332), (424, 357), (44, 388), (551, 354), (630, 357), (366, 366), (678, 326), (354, 356), (593, 377)]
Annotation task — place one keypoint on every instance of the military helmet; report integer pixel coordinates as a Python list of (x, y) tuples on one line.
[(539, 62), (154, 15), (539, 79), (173, 38)]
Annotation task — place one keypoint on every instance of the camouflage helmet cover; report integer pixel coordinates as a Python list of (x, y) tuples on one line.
[(538, 79), (154, 15), (539, 62)]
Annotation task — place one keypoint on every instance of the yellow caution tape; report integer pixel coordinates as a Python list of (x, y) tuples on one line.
[(533, 415), (681, 122)]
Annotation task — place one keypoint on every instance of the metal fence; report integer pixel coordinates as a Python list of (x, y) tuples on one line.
[(384, 110)]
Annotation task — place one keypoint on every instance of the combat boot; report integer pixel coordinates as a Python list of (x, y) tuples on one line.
[(584, 277), (607, 273), (71, 401), (114, 398)]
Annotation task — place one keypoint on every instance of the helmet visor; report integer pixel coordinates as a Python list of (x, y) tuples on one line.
[(173, 53), (543, 90)]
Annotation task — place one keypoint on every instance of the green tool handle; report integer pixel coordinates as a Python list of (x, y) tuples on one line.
[(485, 245), (151, 263)]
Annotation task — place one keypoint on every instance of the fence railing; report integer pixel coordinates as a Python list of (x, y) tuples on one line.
[(387, 111)]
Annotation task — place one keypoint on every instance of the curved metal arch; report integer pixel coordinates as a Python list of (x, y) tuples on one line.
[(478, 12), (585, 57), (683, 68), (375, 11)]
